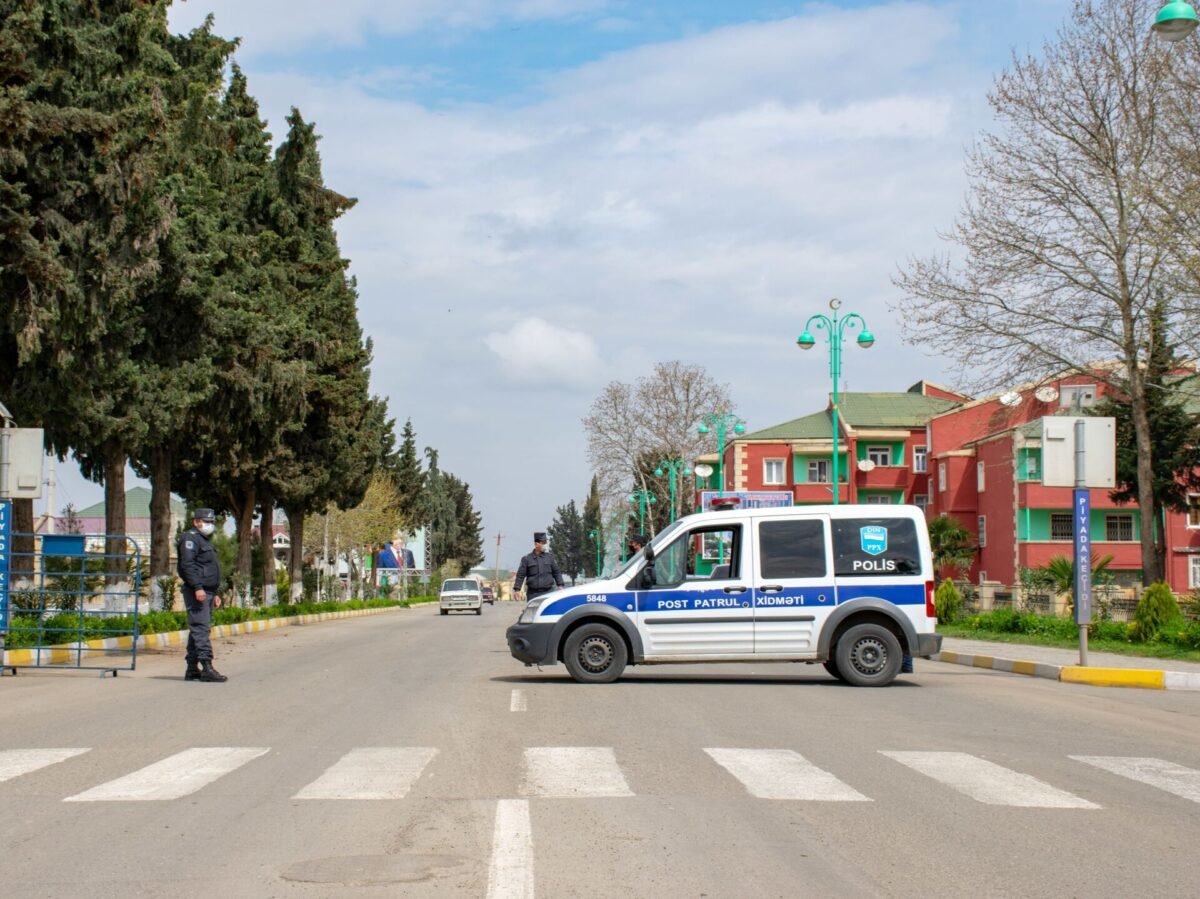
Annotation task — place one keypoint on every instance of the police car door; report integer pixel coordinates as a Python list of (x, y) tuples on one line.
[(794, 586), (692, 612)]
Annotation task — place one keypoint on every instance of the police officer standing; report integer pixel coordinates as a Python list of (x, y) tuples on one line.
[(201, 574), (538, 570), (646, 577)]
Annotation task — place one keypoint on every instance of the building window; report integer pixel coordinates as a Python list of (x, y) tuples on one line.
[(921, 501), (773, 471), (1078, 396), (1118, 528), (880, 455), (1194, 572), (983, 530), (942, 476), (979, 476), (818, 471), (1061, 526), (1031, 466), (1193, 520), (982, 578), (920, 459), (877, 500)]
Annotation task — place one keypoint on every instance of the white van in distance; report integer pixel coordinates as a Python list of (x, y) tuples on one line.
[(850, 586)]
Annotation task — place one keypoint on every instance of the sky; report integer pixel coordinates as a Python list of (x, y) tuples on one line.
[(557, 194)]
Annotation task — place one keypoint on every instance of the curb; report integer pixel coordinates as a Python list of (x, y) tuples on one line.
[(67, 653), (1146, 678)]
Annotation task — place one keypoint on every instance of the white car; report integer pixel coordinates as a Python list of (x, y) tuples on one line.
[(461, 593)]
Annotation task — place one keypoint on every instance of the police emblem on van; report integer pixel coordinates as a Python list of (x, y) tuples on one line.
[(873, 539)]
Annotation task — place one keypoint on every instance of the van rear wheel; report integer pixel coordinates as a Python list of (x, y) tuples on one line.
[(868, 655), (595, 654)]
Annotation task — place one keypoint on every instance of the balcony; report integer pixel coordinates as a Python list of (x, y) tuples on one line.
[(883, 477)]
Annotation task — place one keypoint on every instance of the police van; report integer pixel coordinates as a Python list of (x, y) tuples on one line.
[(849, 586)]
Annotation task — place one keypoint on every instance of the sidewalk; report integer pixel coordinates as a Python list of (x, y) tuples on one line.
[(1104, 669)]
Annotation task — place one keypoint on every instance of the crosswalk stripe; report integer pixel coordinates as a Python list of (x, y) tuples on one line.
[(178, 775), (986, 781), (510, 874), (1176, 779), (573, 772), (371, 773), (15, 762), (783, 774)]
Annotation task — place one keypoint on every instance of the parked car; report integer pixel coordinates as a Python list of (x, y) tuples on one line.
[(489, 595), (462, 593)]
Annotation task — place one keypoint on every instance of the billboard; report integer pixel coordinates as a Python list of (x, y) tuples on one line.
[(749, 499)]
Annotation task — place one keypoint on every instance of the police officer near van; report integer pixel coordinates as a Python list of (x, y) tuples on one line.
[(646, 577), (200, 571), (538, 570)]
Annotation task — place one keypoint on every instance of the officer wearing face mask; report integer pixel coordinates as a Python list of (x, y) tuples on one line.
[(538, 570), (201, 574)]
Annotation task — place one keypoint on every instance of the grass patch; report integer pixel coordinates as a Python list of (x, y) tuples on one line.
[(1056, 636)]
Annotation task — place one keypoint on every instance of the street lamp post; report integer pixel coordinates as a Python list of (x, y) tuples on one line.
[(721, 420), (596, 536), (643, 498), (676, 467), (834, 329), (1175, 21)]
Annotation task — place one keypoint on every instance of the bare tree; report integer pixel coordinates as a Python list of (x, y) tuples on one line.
[(659, 414), (1061, 237)]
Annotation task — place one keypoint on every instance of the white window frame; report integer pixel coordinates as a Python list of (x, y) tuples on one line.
[(877, 500), (1114, 517), (1193, 522), (920, 459), (982, 530), (980, 483), (1194, 571), (819, 463), (768, 464), (1070, 525), (982, 578), (884, 454), (1068, 393), (921, 501), (1032, 464), (942, 477)]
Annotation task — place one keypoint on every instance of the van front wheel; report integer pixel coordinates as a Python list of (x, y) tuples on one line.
[(868, 655), (595, 654)]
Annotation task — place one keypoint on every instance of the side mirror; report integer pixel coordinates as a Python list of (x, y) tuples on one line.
[(648, 552)]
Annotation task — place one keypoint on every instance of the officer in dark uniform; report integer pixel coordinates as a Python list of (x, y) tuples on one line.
[(538, 571), (646, 577), (201, 574)]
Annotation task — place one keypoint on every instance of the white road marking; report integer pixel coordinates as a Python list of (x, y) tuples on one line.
[(510, 875), (371, 773), (15, 762), (519, 703), (783, 774), (1176, 779), (987, 782), (178, 775), (573, 772)]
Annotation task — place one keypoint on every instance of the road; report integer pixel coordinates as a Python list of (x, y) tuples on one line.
[(407, 754)]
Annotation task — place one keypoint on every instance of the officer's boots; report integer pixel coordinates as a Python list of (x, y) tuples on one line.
[(193, 671), (211, 675)]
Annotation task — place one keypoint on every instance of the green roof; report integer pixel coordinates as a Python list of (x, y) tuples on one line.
[(137, 505), (861, 410)]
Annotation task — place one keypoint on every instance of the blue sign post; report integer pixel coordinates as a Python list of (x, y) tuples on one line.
[(1083, 556), (5, 556)]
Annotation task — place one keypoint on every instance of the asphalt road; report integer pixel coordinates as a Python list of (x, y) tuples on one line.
[(407, 754)]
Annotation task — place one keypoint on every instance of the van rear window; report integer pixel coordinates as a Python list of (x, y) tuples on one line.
[(869, 547)]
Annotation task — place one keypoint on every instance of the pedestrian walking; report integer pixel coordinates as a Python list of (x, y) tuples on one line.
[(538, 570), (200, 571)]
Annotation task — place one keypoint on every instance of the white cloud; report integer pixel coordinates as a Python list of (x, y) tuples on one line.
[(536, 353)]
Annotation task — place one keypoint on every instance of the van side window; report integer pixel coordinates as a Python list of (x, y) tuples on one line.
[(869, 547), (791, 548), (699, 554)]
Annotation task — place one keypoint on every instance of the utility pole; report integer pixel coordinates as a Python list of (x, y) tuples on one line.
[(496, 582)]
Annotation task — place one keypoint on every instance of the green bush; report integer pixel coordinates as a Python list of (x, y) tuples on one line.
[(948, 602), (1157, 611)]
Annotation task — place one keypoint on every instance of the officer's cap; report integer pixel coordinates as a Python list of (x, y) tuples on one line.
[(539, 536), (204, 515)]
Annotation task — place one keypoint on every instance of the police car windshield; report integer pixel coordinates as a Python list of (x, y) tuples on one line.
[(659, 539)]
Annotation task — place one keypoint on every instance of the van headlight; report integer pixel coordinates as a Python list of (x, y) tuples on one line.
[(530, 611)]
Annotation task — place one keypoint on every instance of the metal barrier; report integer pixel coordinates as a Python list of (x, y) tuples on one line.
[(62, 607)]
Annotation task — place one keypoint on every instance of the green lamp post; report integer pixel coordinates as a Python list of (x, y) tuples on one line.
[(834, 329), (597, 537), (676, 467), (1175, 21), (643, 498), (721, 420)]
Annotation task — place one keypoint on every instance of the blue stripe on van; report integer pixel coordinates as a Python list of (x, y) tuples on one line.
[(622, 601), (900, 594)]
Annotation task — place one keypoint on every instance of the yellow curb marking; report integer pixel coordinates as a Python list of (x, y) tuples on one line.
[(1113, 677)]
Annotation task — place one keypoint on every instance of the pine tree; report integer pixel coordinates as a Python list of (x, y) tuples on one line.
[(593, 530)]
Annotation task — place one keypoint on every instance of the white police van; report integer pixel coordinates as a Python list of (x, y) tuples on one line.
[(850, 586)]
